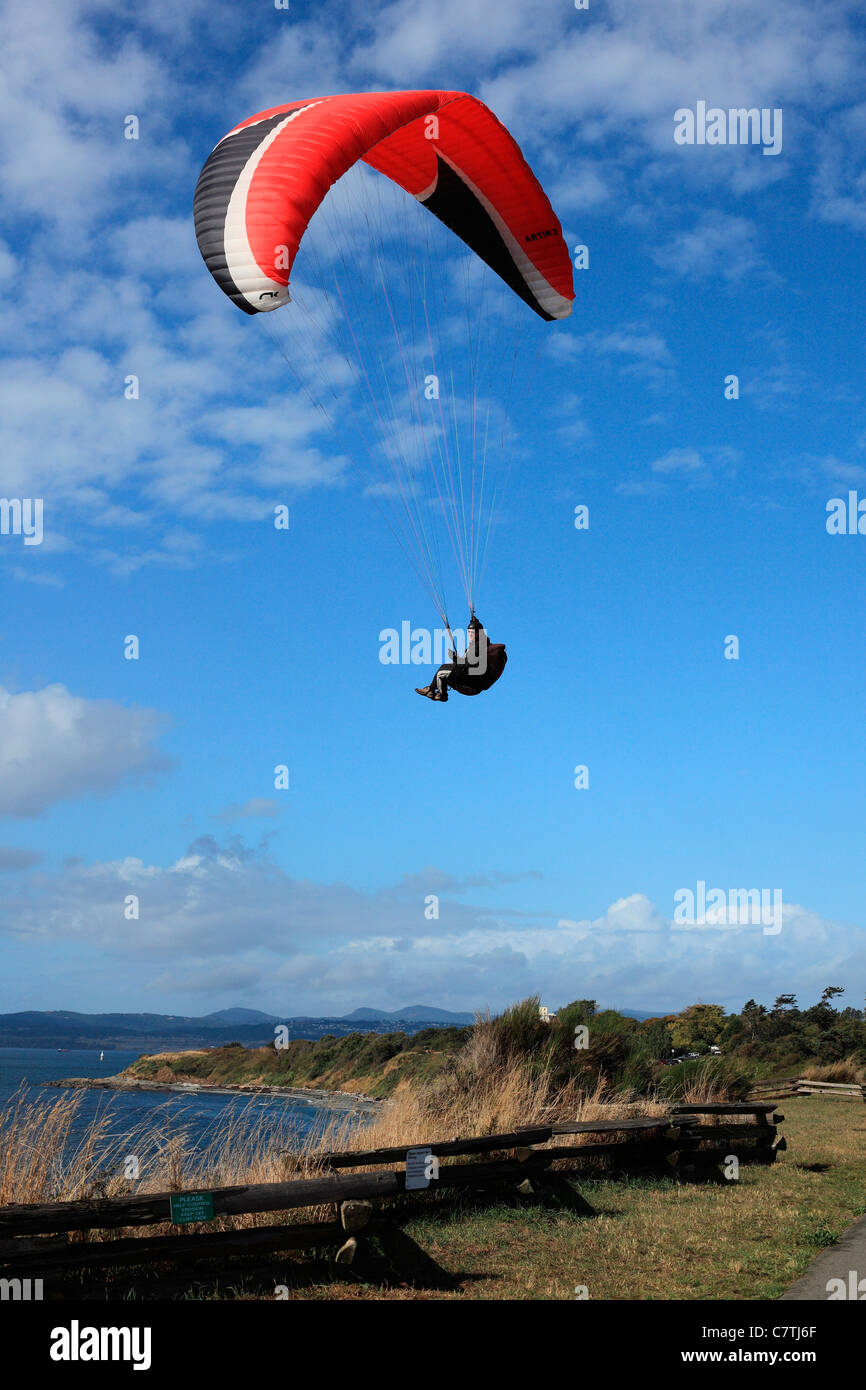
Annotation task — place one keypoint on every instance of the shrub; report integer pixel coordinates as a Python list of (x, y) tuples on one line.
[(705, 1079), (519, 1031)]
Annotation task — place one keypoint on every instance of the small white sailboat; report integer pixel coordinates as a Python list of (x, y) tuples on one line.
[(102, 1056)]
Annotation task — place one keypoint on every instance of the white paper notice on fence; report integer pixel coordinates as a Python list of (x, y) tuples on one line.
[(418, 1168)]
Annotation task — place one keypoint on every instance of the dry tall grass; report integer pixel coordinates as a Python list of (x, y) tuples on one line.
[(706, 1086), (846, 1069), (45, 1157)]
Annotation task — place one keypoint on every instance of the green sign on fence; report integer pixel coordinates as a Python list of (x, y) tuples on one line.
[(191, 1206)]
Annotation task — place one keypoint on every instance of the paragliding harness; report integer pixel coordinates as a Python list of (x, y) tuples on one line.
[(472, 673), (473, 685)]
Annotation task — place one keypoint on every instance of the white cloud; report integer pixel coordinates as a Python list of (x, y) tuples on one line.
[(156, 247), (630, 67), (585, 186), (305, 58), (55, 746), (64, 99), (224, 916), (412, 41), (108, 467)]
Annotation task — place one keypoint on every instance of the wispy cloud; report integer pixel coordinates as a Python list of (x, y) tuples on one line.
[(12, 858), (256, 807), (719, 244)]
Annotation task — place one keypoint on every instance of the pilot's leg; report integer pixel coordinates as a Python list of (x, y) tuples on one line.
[(438, 687), (440, 682)]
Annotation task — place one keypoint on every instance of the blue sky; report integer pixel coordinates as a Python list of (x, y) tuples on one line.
[(707, 518)]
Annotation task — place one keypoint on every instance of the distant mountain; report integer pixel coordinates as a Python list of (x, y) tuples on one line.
[(232, 1016), (63, 1028), (413, 1013)]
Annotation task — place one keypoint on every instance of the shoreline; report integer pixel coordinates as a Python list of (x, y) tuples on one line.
[(334, 1100)]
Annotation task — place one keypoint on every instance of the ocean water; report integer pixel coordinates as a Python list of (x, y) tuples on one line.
[(155, 1118)]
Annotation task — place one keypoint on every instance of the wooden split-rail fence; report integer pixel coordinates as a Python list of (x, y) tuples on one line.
[(46, 1242), (784, 1086)]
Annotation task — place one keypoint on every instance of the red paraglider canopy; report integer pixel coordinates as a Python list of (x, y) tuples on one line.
[(264, 181)]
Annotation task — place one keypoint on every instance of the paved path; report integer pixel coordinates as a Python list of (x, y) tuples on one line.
[(837, 1262)]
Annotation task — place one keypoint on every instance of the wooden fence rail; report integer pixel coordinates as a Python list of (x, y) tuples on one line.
[(692, 1141), (784, 1086), (490, 1143)]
